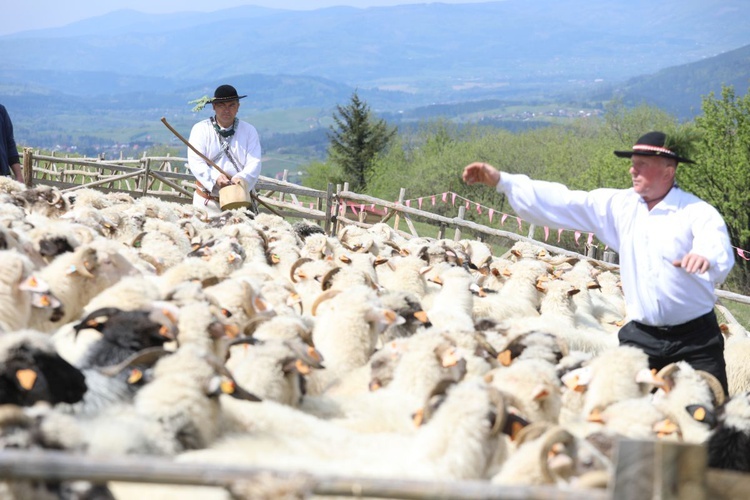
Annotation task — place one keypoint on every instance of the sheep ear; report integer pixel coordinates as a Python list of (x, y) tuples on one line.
[(34, 284), (578, 379)]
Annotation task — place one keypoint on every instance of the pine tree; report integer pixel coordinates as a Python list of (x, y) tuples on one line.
[(356, 141)]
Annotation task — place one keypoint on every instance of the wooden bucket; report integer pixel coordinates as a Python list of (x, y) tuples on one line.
[(234, 196)]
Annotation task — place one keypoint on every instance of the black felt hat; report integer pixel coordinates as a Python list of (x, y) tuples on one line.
[(658, 144), (225, 93)]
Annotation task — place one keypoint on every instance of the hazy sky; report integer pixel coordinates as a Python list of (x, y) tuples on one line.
[(23, 15)]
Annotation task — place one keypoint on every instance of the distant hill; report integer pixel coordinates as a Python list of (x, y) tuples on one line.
[(432, 48), (679, 89), (112, 77)]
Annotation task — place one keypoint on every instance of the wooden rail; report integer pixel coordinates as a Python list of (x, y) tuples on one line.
[(60, 466), (642, 470)]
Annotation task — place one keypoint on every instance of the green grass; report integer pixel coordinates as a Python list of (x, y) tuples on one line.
[(740, 311)]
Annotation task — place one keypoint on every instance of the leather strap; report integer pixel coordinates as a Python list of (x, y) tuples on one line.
[(203, 193)]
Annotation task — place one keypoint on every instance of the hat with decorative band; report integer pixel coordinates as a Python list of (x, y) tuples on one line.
[(657, 144), (225, 93)]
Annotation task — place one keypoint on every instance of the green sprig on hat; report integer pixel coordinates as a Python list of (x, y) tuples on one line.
[(200, 103)]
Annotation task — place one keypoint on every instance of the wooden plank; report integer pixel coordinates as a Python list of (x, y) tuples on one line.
[(744, 299), (634, 470), (660, 470), (680, 471), (727, 485), (61, 466)]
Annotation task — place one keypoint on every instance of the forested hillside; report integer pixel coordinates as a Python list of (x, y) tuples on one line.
[(579, 154)]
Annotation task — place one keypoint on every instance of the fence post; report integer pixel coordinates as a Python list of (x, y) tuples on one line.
[(591, 251), (441, 230), (609, 256), (461, 214), (329, 210), (284, 177), (146, 174), (336, 211), (27, 167), (401, 195), (532, 228)]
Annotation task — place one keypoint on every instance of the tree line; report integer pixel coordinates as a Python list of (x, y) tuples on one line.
[(373, 158)]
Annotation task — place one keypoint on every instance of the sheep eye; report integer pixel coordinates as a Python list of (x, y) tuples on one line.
[(227, 313)]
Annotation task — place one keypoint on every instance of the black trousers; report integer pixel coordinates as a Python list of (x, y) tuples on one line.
[(699, 342)]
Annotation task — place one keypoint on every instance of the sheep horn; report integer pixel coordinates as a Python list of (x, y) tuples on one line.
[(328, 294), (136, 243), (393, 245), (253, 323), (298, 263), (715, 386), (87, 262), (553, 436), (326, 282), (498, 401), (56, 197), (147, 356), (531, 432)]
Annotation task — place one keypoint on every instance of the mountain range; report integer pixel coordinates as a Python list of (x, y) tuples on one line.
[(141, 66)]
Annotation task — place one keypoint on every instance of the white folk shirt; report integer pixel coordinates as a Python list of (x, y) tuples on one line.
[(244, 146), (656, 292)]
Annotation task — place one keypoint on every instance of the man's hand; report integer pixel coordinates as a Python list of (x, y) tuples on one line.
[(17, 171), (223, 181), (481, 173), (693, 263)]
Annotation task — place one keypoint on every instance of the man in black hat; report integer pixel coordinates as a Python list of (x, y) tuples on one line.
[(234, 145), (674, 248)]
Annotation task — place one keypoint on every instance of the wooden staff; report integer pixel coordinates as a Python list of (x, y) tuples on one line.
[(204, 157), (212, 163)]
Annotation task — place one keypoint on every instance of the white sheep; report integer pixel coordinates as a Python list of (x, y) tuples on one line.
[(457, 442), (451, 307), (16, 287), (76, 277)]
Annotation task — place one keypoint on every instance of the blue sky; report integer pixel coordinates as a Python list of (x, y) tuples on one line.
[(23, 15)]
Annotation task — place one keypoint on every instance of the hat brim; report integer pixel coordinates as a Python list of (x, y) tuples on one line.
[(222, 99), (629, 154)]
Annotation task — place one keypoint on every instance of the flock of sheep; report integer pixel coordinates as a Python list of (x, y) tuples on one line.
[(143, 327)]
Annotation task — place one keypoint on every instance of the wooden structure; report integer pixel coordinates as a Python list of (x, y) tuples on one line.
[(642, 470)]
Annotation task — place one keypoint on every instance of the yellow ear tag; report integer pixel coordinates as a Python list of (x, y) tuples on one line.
[(699, 414), (302, 367), (135, 376), (505, 358), (26, 378), (418, 417), (227, 387)]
